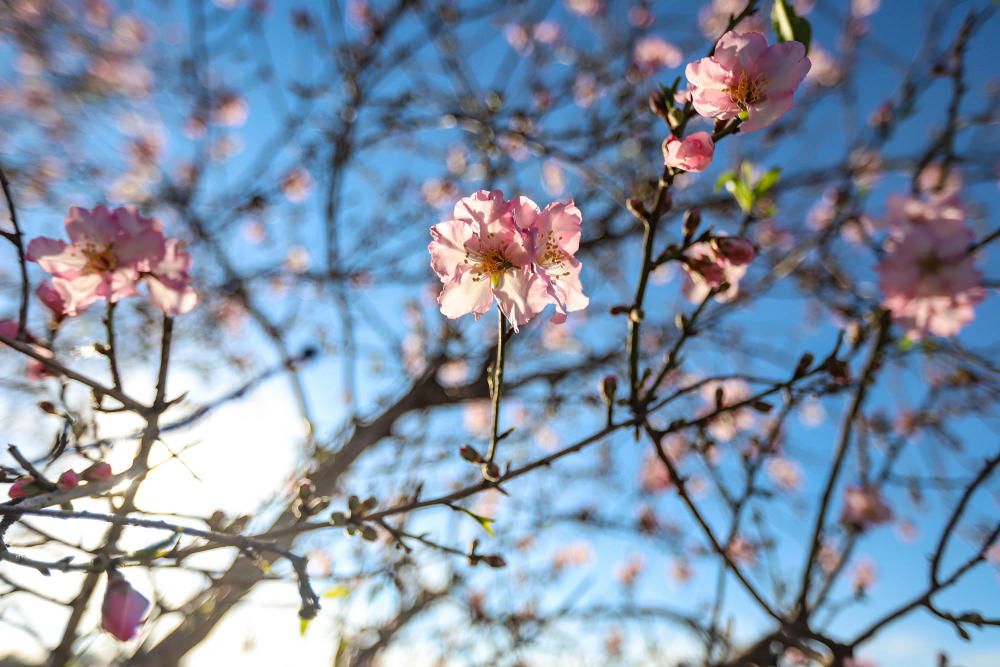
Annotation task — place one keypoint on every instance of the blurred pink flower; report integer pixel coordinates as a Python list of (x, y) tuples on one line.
[(97, 472), (573, 554), (169, 281), (105, 254), (865, 576), (123, 609), (747, 79), (734, 249), (705, 270), (627, 572), (928, 277), (728, 424), (654, 53), (694, 153), (864, 507)]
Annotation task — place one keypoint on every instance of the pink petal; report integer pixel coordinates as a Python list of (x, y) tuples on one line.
[(512, 296), (465, 295), (736, 51), (173, 301), (767, 112), (785, 66), (57, 257), (95, 227)]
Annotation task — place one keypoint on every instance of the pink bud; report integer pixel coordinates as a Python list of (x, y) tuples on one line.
[(99, 472), (23, 487), (123, 608), (68, 480), (694, 153), (712, 272), (734, 249)]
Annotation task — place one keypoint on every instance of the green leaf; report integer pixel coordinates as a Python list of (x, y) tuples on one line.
[(304, 625), (724, 178), (788, 25), (157, 550), (485, 522), (338, 591), (905, 344), (767, 181), (744, 196)]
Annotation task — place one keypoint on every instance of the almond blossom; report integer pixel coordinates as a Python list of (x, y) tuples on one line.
[(654, 53), (864, 508), (928, 277), (103, 257), (706, 270), (109, 253), (512, 252), (747, 79)]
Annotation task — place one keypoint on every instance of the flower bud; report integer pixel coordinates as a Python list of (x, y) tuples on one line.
[(123, 608), (692, 220), (734, 249), (23, 487), (98, 472), (68, 480), (491, 471), (608, 387), (470, 454)]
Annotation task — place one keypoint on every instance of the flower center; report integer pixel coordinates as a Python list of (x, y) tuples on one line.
[(487, 263), (748, 90), (100, 259), (553, 258), (930, 264)]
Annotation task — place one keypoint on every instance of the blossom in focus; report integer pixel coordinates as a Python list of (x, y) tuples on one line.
[(512, 252), (693, 153), (481, 255), (928, 277), (745, 78), (123, 609), (104, 254), (654, 53), (553, 237), (864, 508)]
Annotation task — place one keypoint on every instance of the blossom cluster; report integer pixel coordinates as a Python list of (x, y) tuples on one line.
[(513, 252), (718, 264), (928, 277), (109, 253)]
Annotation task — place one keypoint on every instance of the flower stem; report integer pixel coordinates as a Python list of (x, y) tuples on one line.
[(496, 386)]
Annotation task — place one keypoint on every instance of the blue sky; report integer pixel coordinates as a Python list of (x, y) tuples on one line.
[(781, 320)]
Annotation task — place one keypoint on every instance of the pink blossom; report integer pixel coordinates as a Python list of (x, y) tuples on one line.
[(511, 252), (706, 270), (55, 295), (68, 480), (742, 552), (729, 423), (787, 474), (102, 260), (97, 472), (928, 277), (747, 79), (864, 576), (628, 571), (654, 53), (296, 185), (574, 554), (553, 237), (169, 280), (123, 609), (481, 255), (864, 507), (694, 153)]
